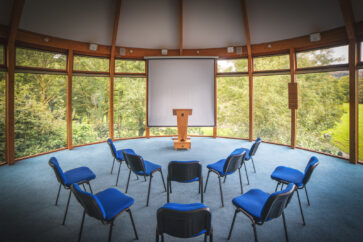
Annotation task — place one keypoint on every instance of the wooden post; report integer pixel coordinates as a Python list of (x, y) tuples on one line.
[(69, 99), (10, 82), (180, 27), (250, 67), (215, 128), (147, 129), (293, 96)]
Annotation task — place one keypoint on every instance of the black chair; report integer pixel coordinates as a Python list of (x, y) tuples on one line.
[(144, 168), (261, 207), (184, 221), (249, 152), (118, 156), (81, 175), (104, 206), (184, 172), (226, 167), (285, 175)]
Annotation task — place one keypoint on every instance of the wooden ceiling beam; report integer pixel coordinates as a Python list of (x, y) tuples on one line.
[(347, 12), (180, 27)]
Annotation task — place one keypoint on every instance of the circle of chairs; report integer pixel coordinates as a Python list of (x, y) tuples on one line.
[(184, 220)]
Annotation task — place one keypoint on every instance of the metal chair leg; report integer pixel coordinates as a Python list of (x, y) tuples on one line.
[(201, 188), (84, 188), (118, 174), (110, 233), (225, 178), (56, 201), (284, 221), (162, 178), (148, 192), (206, 183), (162, 237), (80, 231), (167, 191), (253, 163), (170, 188), (205, 237), (65, 214), (307, 196), (248, 180), (254, 231), (128, 181), (240, 180), (113, 163), (301, 211), (211, 235), (89, 185), (157, 236), (133, 224), (277, 185), (220, 189), (230, 230)]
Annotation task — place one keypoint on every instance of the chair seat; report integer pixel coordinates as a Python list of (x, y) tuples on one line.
[(78, 175), (113, 202), (252, 202), (287, 174), (120, 156), (218, 167), (240, 150), (149, 168)]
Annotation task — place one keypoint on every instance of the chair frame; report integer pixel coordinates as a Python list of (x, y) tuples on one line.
[(253, 151), (254, 222), (210, 234), (243, 155), (169, 179), (67, 188), (144, 175)]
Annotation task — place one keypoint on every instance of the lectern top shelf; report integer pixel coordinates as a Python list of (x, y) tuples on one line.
[(186, 111)]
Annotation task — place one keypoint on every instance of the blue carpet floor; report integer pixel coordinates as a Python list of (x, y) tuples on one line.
[(28, 191)]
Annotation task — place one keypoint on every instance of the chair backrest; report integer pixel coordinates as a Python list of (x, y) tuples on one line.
[(310, 167), (234, 162), (89, 202), (112, 147), (184, 224), (277, 202), (183, 171), (135, 162), (57, 170), (254, 147)]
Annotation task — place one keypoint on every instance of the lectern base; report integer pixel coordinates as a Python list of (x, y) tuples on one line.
[(179, 145)]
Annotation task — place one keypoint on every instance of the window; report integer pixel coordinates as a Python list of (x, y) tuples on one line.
[(163, 131), (90, 106), (2, 56), (361, 51), (360, 111), (129, 107), (2, 116), (233, 106), (129, 66), (237, 65), (40, 109), (40, 59), (272, 117), (266, 63), (201, 131), (322, 57), (91, 64), (323, 114)]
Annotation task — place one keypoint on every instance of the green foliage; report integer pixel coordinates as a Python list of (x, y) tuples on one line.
[(85, 63), (2, 55), (276, 62), (40, 59), (238, 65), (129, 66), (322, 57)]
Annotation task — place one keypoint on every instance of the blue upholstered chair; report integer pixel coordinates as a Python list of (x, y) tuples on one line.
[(184, 172), (104, 206), (226, 167), (118, 156), (284, 175), (260, 207), (249, 152), (184, 221), (144, 168), (80, 175)]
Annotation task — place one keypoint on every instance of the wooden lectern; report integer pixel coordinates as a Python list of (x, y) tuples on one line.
[(182, 120)]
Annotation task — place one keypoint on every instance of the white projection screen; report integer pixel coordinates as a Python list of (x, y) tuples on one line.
[(182, 84)]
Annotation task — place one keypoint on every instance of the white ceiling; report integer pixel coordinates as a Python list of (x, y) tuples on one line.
[(155, 23)]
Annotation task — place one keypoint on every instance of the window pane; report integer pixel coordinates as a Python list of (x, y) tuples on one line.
[(277, 62), (40, 59), (360, 133), (40, 107), (272, 121), (2, 57), (160, 131), (361, 51), (90, 109), (240, 65), (2, 116), (202, 131), (84, 63), (129, 107), (233, 106), (323, 57), (129, 66), (323, 115)]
